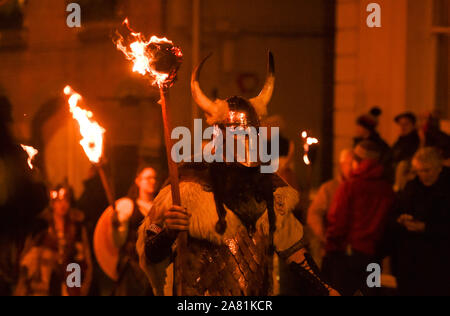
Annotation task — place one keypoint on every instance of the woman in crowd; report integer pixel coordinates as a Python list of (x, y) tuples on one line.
[(131, 211)]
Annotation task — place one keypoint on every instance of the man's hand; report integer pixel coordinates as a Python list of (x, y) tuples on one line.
[(411, 224), (404, 218), (176, 219), (415, 226)]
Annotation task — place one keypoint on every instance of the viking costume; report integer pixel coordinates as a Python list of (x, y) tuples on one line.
[(48, 253), (239, 218)]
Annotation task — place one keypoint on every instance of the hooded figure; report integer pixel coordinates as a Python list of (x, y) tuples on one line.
[(356, 221), (235, 216)]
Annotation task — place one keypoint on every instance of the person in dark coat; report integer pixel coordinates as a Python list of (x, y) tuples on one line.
[(432, 136), (21, 200), (366, 129), (356, 222), (93, 202), (421, 244), (408, 142)]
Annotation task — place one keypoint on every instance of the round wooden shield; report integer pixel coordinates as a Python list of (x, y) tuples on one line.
[(105, 249)]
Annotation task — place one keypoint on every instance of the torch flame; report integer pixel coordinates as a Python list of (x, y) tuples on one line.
[(142, 57), (91, 131), (311, 141), (306, 159), (32, 152), (307, 142)]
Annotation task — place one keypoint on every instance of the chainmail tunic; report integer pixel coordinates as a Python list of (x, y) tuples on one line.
[(240, 267)]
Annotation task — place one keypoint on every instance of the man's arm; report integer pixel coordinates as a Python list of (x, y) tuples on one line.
[(160, 238), (306, 269), (288, 242)]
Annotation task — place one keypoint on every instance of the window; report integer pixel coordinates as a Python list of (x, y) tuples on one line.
[(11, 15), (441, 29)]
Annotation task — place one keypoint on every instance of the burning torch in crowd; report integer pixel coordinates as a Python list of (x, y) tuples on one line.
[(93, 135), (32, 152), (158, 59), (310, 146)]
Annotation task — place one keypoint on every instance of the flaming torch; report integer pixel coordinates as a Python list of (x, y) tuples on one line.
[(92, 141), (307, 143), (32, 152), (158, 59), (309, 155)]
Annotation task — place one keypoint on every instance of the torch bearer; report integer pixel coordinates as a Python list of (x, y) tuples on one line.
[(92, 141), (158, 59)]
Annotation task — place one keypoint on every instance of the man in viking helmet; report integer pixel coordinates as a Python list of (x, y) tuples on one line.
[(236, 218)]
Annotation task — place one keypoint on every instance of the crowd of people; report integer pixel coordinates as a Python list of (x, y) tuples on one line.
[(45, 229), (389, 206)]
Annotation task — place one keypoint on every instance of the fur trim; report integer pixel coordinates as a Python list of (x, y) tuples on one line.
[(285, 199), (157, 274)]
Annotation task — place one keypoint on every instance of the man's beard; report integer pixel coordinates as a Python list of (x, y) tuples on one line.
[(246, 192)]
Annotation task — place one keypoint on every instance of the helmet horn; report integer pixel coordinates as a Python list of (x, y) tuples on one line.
[(262, 100), (216, 111)]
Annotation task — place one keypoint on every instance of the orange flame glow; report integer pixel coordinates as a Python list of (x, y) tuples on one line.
[(91, 131), (32, 152), (306, 160), (142, 57), (307, 142), (237, 118)]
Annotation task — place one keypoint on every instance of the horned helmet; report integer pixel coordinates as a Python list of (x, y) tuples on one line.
[(235, 111)]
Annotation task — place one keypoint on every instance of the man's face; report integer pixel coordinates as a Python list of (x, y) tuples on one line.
[(146, 181), (241, 144), (346, 165), (355, 165), (362, 131), (428, 173), (406, 126), (61, 207)]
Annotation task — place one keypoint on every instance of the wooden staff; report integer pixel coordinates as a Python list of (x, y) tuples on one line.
[(106, 186), (180, 263)]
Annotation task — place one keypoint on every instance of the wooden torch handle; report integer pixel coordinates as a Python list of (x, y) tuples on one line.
[(182, 241)]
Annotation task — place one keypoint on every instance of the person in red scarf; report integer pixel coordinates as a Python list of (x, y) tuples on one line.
[(357, 220)]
